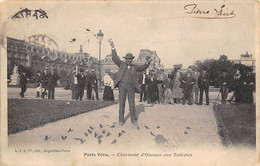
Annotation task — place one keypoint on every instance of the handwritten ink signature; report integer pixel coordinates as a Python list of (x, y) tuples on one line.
[(221, 13), (25, 13)]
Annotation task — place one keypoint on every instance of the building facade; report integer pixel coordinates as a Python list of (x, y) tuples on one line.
[(38, 57)]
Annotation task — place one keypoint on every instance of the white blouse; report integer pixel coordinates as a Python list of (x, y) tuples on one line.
[(108, 81)]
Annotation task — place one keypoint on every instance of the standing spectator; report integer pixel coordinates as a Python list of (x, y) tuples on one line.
[(195, 90), (88, 86), (235, 87), (126, 79), (39, 84), (248, 85), (23, 83), (108, 94), (188, 81), (44, 80), (74, 85), (224, 83), (51, 84), (160, 77), (203, 84), (176, 85), (81, 84), (93, 83), (152, 89), (167, 91), (141, 81)]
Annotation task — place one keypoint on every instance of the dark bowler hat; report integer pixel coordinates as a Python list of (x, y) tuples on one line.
[(129, 56)]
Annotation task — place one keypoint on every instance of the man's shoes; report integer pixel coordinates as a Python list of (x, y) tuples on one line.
[(135, 123), (121, 123)]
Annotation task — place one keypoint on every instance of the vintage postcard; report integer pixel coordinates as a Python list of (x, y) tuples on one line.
[(129, 83)]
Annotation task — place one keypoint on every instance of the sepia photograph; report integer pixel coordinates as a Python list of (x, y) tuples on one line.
[(129, 83)]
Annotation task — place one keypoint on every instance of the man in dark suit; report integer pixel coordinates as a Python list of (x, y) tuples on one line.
[(188, 81), (88, 85), (224, 82), (126, 80), (93, 83), (52, 83), (141, 81), (23, 82), (81, 84), (44, 81), (203, 82)]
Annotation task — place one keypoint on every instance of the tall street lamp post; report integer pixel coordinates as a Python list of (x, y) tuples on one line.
[(100, 36)]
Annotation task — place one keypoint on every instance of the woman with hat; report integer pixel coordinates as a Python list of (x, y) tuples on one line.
[(108, 94)]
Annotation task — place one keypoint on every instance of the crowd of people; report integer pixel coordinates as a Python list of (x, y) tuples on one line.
[(189, 87)]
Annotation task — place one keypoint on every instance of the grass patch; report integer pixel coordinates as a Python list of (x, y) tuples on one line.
[(236, 124), (24, 114)]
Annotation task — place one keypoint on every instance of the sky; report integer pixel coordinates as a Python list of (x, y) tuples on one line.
[(164, 27)]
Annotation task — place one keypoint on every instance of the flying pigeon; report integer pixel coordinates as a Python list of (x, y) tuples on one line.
[(86, 134), (70, 130), (146, 127), (91, 127), (82, 141), (123, 131), (152, 133), (112, 126), (99, 141), (100, 125), (104, 132), (185, 132), (77, 139), (119, 134), (87, 30), (188, 128), (73, 40), (47, 138), (89, 131), (100, 136), (96, 135), (63, 137), (114, 141), (108, 134), (138, 127), (158, 127)]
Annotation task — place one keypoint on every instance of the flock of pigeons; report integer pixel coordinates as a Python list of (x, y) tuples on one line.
[(99, 136), (87, 30)]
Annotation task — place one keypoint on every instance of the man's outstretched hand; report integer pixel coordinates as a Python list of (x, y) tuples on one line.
[(111, 43)]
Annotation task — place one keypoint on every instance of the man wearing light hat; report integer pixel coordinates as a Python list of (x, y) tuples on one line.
[(126, 80)]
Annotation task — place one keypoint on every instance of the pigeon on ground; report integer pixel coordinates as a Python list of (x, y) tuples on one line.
[(123, 131), (99, 141), (100, 136), (112, 126), (138, 127), (89, 131), (73, 40), (82, 141), (188, 128), (119, 134), (91, 127), (152, 133), (185, 132), (108, 134), (146, 127), (158, 127), (114, 141), (70, 130), (104, 132), (63, 137), (47, 138), (101, 126), (86, 134), (95, 134)]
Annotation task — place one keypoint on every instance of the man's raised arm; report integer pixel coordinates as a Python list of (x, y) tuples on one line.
[(115, 58)]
